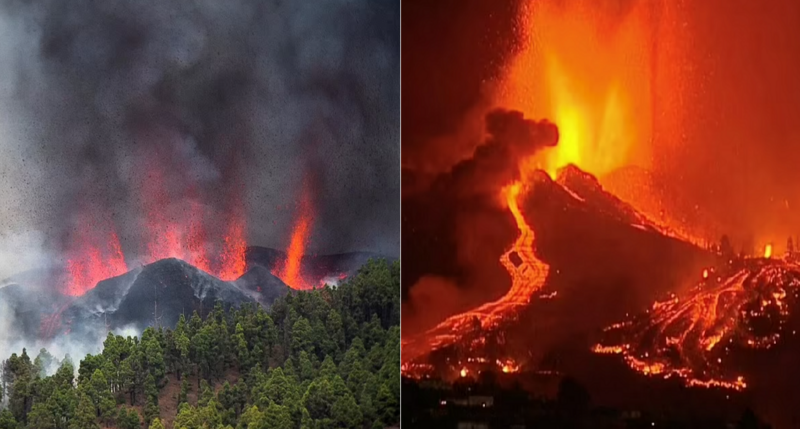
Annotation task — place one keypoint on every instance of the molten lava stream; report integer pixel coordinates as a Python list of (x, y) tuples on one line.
[(692, 337), (526, 279)]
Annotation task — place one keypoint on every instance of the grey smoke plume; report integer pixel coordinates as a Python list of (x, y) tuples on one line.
[(238, 101)]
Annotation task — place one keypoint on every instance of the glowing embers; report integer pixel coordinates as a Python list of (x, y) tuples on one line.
[(526, 278), (589, 74), (695, 336)]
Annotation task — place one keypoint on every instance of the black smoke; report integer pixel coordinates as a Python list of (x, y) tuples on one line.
[(242, 102), (458, 228)]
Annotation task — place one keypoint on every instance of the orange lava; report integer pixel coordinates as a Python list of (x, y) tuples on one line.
[(692, 336), (590, 70), (232, 260), (95, 252), (96, 263), (526, 279), (290, 272), (593, 70), (590, 73)]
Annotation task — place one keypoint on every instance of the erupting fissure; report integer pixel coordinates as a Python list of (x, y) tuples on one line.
[(527, 276), (291, 269), (94, 265), (175, 225)]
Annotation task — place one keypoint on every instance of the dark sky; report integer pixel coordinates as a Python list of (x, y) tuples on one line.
[(450, 48)]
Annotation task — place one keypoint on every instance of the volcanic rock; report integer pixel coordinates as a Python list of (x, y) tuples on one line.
[(605, 260), (602, 251), (316, 268), (156, 294), (262, 285)]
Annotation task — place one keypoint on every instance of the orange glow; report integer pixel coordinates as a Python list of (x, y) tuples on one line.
[(290, 272), (94, 263), (508, 366), (591, 76), (690, 337), (463, 372), (768, 251), (95, 252), (526, 279), (232, 260), (189, 239), (705, 273)]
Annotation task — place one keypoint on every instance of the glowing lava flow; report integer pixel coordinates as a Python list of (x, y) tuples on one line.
[(693, 337), (290, 271), (526, 278)]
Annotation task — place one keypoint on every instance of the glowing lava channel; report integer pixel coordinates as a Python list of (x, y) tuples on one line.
[(691, 337), (526, 279)]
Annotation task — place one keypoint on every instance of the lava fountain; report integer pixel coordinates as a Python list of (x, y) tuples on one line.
[(290, 272), (174, 224), (589, 71)]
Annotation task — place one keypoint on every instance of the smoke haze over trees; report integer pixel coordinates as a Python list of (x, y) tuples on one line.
[(323, 358)]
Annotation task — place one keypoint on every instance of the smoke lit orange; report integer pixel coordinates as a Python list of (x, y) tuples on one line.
[(96, 253), (590, 75)]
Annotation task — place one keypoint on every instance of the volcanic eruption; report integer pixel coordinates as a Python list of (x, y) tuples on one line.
[(159, 160), (608, 241)]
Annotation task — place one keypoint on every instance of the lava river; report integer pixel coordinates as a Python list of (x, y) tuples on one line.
[(696, 336), (528, 275)]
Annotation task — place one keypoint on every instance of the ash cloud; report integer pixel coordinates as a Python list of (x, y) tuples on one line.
[(231, 104), (511, 138), (462, 223), (112, 108)]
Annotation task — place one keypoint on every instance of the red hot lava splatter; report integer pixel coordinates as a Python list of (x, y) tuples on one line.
[(96, 254), (290, 272)]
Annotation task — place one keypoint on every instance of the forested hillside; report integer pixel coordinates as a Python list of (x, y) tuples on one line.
[(326, 358)]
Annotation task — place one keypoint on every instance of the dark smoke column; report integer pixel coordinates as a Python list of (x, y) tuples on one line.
[(153, 120)]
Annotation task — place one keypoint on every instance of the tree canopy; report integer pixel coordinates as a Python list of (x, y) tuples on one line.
[(324, 358)]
